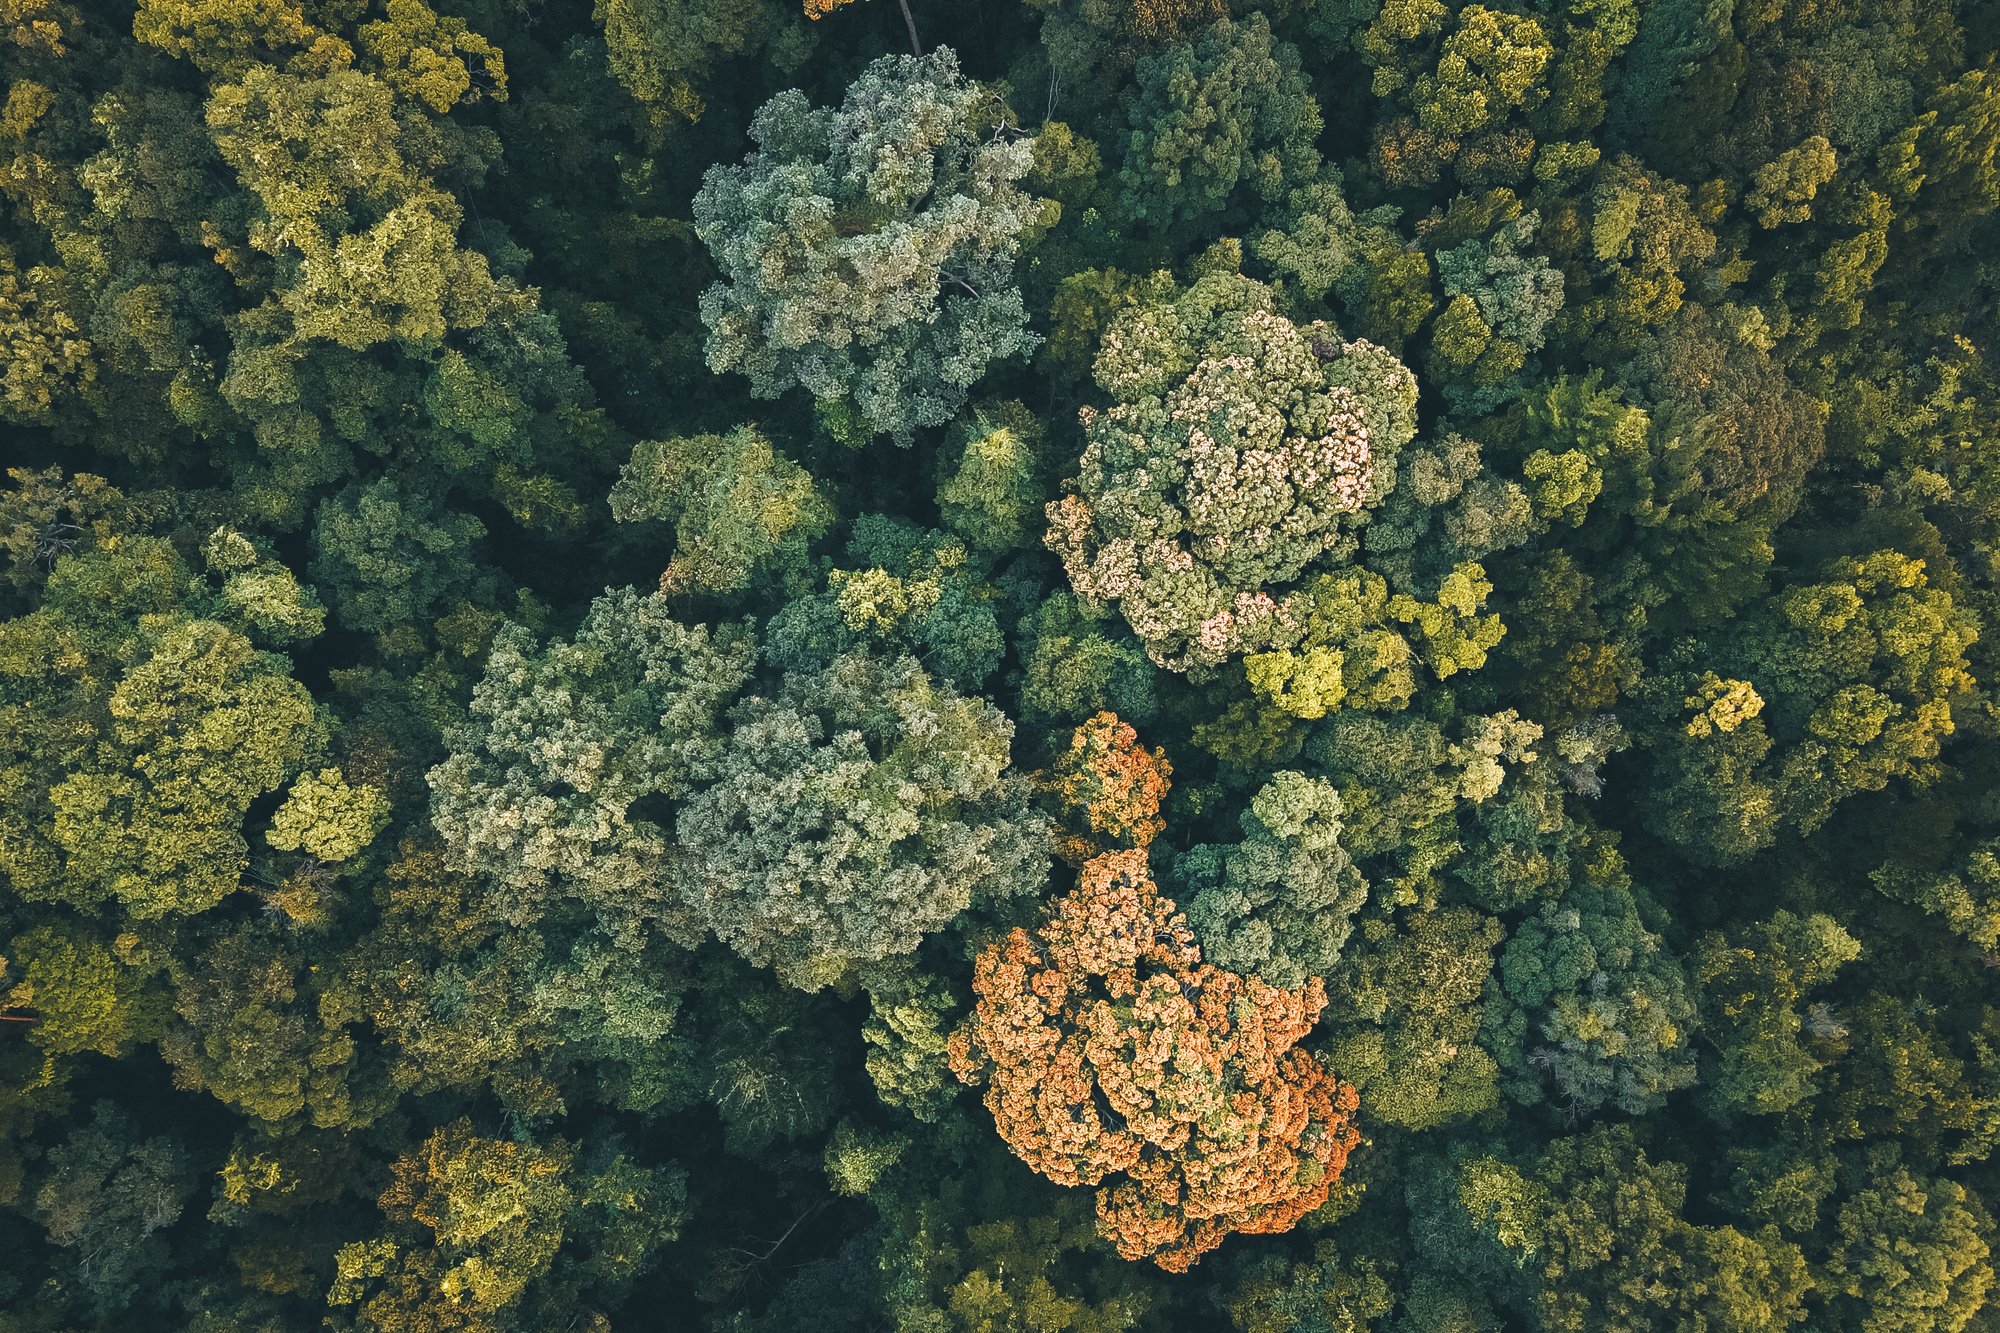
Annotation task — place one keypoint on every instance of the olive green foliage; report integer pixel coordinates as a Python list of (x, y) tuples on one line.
[(142, 722), (900, 588), (1408, 1020), (327, 819), (1491, 63), (737, 506), (389, 557), (662, 52), (1223, 115), (1912, 1253), (1076, 664), (1771, 1042), (495, 1228), (991, 494), (1594, 1231), (1500, 298), (867, 251), (554, 556), (1587, 1008)]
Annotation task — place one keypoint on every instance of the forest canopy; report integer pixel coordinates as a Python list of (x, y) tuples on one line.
[(1066, 666)]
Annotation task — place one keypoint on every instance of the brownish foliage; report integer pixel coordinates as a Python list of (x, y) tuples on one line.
[(1107, 790), (1113, 1056)]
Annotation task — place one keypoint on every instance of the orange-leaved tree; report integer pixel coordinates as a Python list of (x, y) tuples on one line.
[(1113, 1056), (1106, 789)]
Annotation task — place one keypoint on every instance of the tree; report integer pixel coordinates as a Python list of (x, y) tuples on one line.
[(139, 731), (736, 503), (1942, 165), (1448, 512), (1500, 298), (1406, 1016), (269, 1034), (435, 60), (1406, 782), (1717, 805), (552, 785), (1784, 188), (1219, 120), (1324, 245), (1074, 665), (1754, 435), (1106, 789), (985, 1249), (991, 494), (1912, 1254), (404, 277), (1280, 904), (1753, 985), (867, 251), (86, 994), (326, 818), (389, 555), (486, 1228), (1909, 1078), (1860, 673), (1671, 42), (1491, 64), (1645, 239), (900, 589), (659, 50), (1238, 447), (105, 1196), (225, 38), (768, 1057), (1113, 1056), (906, 1031), (1965, 895), (1334, 1293), (1596, 1230), (563, 1015), (1586, 999), (853, 811), (44, 356), (1353, 654), (48, 514)]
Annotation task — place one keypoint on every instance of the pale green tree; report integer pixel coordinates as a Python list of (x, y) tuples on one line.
[(867, 251), (554, 785), (853, 811)]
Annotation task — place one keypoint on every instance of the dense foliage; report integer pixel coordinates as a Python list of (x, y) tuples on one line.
[(1168, 664)]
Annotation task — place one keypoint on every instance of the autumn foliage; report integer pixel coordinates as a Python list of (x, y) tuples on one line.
[(1113, 1056), (1107, 790)]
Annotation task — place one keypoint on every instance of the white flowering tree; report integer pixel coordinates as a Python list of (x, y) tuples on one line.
[(1238, 449)]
